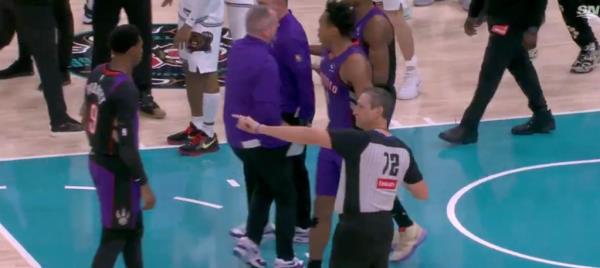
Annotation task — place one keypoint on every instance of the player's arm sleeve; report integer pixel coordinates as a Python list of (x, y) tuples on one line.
[(199, 12), (266, 95), (297, 59), (475, 8), (349, 142), (126, 99), (413, 174)]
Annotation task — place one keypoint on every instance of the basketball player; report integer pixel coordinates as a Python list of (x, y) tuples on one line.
[(513, 27), (395, 11), (374, 164), (374, 33), (253, 87), (298, 104), (236, 16), (202, 21), (574, 13), (139, 13), (111, 122), (345, 73)]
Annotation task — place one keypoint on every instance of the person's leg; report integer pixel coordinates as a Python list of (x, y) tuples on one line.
[(236, 16), (64, 24), (106, 17), (23, 66), (574, 15), (111, 245), (132, 252)]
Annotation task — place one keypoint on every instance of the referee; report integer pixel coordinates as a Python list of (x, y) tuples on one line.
[(375, 164), (513, 26)]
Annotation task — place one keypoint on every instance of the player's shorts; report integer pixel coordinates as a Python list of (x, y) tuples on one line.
[(119, 195), (392, 5), (329, 165), (240, 2), (204, 61)]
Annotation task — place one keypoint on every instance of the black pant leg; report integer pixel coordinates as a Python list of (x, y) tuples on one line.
[(8, 25), (132, 252), (302, 185), (400, 216), (498, 55), (250, 174), (105, 18), (64, 24), (111, 245), (578, 26), (36, 26), (258, 213), (139, 13), (525, 74)]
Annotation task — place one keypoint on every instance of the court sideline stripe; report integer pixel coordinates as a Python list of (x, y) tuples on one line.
[(198, 202), (2, 187), (86, 188), (6, 159), (19, 248)]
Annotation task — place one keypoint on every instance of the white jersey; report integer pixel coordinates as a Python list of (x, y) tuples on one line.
[(208, 13)]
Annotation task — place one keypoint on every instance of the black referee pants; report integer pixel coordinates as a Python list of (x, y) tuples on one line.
[(362, 241), (36, 26), (504, 52), (105, 19), (64, 25), (269, 173), (578, 26), (8, 24)]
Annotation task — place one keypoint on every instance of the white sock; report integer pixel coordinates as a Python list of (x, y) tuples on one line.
[(197, 121), (210, 105), (412, 63), (90, 4), (236, 16)]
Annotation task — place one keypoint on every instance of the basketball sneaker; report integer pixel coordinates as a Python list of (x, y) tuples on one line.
[(87, 15), (540, 122), (69, 126), (18, 68), (183, 137), (406, 242), (294, 263), (459, 135), (249, 252), (150, 108), (200, 144), (587, 59), (240, 231), (410, 85)]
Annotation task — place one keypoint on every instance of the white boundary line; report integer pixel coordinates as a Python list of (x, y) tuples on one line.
[(3, 187), (233, 183), (197, 202), (451, 211), (397, 127), (85, 188), (19, 248)]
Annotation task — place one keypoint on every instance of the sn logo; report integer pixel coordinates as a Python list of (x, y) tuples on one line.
[(123, 216)]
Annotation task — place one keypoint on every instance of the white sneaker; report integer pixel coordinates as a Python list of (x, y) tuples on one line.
[(405, 243), (301, 235), (249, 252), (240, 231), (465, 4), (294, 263), (410, 85), (532, 53)]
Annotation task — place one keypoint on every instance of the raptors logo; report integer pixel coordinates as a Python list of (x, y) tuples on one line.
[(166, 64)]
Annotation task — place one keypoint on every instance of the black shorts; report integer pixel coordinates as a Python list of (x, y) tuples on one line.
[(362, 241), (119, 195)]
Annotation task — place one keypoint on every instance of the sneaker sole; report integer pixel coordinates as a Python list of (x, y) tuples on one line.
[(463, 142), (17, 75), (172, 142), (239, 255), (160, 116), (265, 235), (412, 251)]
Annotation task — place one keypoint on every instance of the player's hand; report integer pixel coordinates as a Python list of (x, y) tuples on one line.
[(166, 3), (148, 197), (530, 40), (471, 24), (246, 123), (182, 36)]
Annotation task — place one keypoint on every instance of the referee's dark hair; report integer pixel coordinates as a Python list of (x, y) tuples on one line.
[(341, 16), (381, 98), (124, 37)]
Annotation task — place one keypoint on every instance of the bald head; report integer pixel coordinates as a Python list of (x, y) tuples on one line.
[(261, 22)]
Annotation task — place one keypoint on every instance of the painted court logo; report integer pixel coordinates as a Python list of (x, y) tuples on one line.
[(166, 64)]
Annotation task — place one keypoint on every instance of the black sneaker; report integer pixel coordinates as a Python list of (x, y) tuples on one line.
[(70, 126), (17, 69), (459, 135), (541, 122), (587, 59), (200, 144), (87, 15), (183, 137), (66, 81), (150, 108)]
